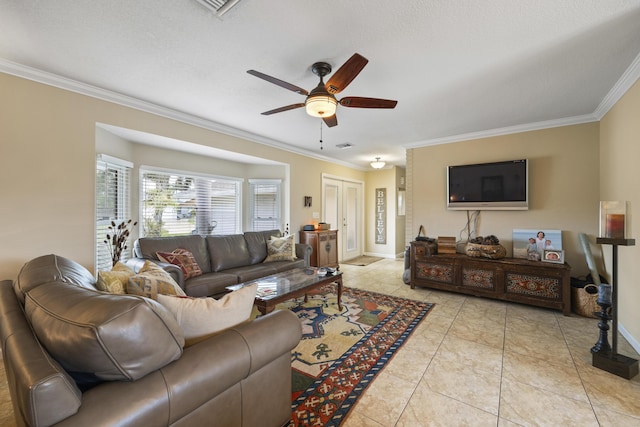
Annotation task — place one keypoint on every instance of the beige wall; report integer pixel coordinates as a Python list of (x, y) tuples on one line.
[(390, 180), (620, 176), (48, 138), (563, 186)]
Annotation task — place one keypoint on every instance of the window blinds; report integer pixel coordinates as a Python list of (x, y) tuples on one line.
[(112, 203), (265, 204), (176, 203)]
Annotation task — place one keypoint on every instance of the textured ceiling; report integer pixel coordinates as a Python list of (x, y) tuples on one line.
[(457, 68)]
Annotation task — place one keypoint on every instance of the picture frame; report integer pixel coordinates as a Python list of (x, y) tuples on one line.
[(307, 201), (531, 243), (553, 255)]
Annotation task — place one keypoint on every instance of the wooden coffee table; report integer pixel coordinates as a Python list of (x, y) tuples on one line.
[(284, 286)]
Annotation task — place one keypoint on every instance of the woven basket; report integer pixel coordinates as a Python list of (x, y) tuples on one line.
[(584, 303), (486, 251)]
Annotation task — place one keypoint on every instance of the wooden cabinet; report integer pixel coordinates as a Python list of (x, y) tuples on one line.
[(325, 247), (536, 283)]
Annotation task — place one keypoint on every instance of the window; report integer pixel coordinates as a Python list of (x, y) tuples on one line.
[(112, 203), (177, 203), (265, 204)]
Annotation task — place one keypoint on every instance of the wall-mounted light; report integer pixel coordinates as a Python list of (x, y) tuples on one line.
[(377, 164)]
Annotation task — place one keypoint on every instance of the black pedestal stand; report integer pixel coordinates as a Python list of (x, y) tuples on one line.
[(604, 356)]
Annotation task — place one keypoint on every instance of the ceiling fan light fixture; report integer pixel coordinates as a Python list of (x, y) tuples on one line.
[(377, 163), (321, 105)]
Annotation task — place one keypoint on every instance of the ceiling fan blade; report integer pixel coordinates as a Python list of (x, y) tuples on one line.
[(345, 74), (331, 121), (278, 82), (360, 102), (281, 109)]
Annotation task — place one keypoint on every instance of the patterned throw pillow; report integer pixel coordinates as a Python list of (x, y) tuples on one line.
[(200, 318), (115, 281), (183, 259), (281, 249), (152, 280)]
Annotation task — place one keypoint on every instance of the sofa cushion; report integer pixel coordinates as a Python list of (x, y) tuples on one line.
[(146, 247), (183, 259), (152, 280), (257, 244), (110, 337), (115, 280), (210, 284), (228, 251), (281, 248), (50, 268), (199, 318)]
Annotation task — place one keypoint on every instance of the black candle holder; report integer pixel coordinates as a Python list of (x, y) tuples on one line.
[(603, 347), (605, 356)]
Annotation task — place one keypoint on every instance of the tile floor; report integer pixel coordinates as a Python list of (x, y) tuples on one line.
[(479, 362)]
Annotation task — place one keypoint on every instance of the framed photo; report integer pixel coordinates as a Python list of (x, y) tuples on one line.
[(553, 255), (531, 243)]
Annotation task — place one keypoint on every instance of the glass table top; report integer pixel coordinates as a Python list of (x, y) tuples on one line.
[(285, 282)]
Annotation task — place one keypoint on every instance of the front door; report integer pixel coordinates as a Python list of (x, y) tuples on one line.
[(343, 209)]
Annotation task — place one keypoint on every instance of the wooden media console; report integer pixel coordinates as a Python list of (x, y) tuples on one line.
[(537, 283)]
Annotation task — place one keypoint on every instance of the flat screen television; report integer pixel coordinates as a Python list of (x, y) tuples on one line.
[(489, 186)]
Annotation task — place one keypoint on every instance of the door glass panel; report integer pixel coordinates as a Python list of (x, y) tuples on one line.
[(351, 218), (331, 208)]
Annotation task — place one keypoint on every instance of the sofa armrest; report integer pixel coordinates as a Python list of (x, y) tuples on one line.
[(175, 271), (228, 358), (204, 371), (303, 251)]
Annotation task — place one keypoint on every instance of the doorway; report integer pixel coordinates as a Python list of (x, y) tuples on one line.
[(343, 202)]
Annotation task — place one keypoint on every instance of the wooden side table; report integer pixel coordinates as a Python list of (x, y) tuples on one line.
[(325, 247)]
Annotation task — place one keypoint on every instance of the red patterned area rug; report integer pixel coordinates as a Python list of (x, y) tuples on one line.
[(342, 352)]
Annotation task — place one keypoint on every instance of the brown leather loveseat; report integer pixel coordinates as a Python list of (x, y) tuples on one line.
[(75, 356)]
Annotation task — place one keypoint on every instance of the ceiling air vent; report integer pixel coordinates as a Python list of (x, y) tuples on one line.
[(219, 7), (345, 145)]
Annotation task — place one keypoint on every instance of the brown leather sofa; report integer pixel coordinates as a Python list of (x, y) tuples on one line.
[(75, 356), (224, 260)]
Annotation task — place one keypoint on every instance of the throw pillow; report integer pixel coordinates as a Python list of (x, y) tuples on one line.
[(281, 249), (183, 259), (152, 280), (200, 318), (115, 281)]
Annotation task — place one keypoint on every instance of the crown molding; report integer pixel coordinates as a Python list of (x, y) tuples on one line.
[(50, 79), (624, 83), (629, 77), (587, 118)]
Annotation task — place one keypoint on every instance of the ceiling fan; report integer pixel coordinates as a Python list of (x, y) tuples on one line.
[(321, 101)]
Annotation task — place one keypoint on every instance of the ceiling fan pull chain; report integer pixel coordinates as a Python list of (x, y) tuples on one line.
[(321, 134)]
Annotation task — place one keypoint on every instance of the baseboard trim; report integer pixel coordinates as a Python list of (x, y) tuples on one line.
[(630, 338)]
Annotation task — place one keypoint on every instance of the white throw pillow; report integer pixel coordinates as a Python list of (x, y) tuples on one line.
[(202, 317)]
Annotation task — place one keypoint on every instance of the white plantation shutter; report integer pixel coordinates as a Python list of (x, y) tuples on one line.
[(178, 203), (265, 204), (113, 183)]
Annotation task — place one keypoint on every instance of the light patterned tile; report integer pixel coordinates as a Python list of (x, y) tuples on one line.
[(428, 408), (562, 379), (482, 331), (528, 405), (456, 351), (610, 391), (359, 419), (385, 398), (475, 387), (608, 418)]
